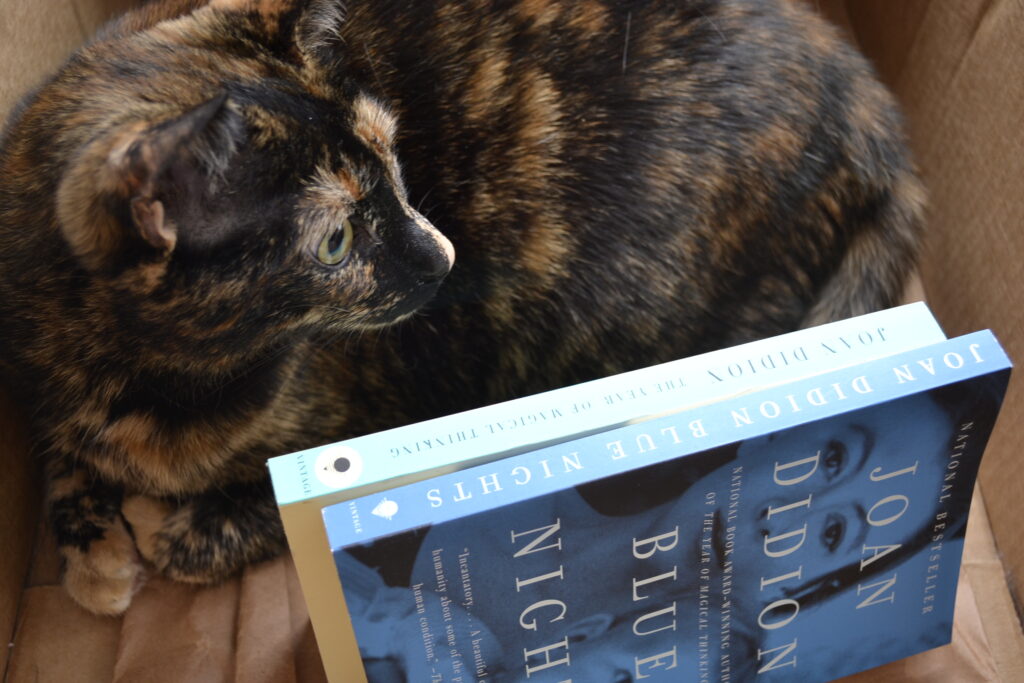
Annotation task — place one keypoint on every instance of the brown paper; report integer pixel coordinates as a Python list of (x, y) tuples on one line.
[(251, 629), (56, 640)]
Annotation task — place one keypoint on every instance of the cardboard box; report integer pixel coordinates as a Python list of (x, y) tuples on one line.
[(956, 66)]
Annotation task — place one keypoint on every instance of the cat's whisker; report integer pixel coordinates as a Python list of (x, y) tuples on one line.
[(419, 204), (625, 43)]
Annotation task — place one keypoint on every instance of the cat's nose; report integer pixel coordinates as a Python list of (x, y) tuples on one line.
[(430, 252), (436, 266), (423, 255), (443, 265), (446, 246)]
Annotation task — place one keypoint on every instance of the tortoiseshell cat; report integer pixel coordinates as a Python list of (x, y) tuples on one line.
[(210, 217)]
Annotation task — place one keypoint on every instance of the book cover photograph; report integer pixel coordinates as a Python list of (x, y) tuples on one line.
[(801, 532)]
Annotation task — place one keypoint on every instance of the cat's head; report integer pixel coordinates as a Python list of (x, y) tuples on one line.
[(219, 189)]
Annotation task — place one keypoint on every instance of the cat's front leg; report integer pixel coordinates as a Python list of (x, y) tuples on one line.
[(210, 536), (102, 569)]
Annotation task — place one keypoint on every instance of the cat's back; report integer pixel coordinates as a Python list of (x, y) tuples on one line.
[(668, 176), (736, 85)]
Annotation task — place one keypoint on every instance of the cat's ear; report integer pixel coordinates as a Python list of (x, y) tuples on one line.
[(318, 30), (154, 161), (117, 191)]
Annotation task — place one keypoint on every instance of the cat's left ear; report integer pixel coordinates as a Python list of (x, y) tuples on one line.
[(148, 164), (117, 191)]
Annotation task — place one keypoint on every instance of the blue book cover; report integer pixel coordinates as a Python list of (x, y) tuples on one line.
[(812, 530)]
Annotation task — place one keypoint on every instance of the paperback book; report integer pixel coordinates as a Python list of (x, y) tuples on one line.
[(307, 481), (801, 531)]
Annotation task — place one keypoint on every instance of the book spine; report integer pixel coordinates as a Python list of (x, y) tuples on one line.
[(530, 422), (553, 468)]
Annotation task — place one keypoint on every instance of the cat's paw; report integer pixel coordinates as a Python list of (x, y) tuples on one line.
[(103, 578), (158, 530), (146, 516), (186, 543)]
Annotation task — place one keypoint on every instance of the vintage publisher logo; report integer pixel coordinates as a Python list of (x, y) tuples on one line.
[(386, 508), (338, 466)]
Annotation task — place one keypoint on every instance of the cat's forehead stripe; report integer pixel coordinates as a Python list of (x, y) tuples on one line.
[(334, 189), (350, 182)]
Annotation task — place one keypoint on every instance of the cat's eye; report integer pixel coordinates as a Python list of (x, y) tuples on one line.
[(336, 244)]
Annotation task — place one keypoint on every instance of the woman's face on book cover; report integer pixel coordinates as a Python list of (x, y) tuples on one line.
[(839, 491), (811, 500), (865, 483)]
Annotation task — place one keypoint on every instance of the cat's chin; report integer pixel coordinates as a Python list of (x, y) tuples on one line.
[(369, 326), (347, 323), (377, 322), (401, 310)]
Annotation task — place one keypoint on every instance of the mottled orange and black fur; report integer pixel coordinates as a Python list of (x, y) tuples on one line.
[(213, 216)]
